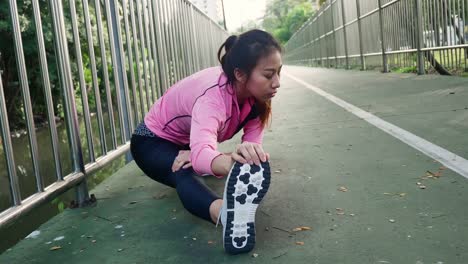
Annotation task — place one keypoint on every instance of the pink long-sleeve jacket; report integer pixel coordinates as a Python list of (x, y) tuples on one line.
[(202, 110)]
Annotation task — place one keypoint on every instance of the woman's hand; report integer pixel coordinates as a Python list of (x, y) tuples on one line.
[(251, 153), (182, 161)]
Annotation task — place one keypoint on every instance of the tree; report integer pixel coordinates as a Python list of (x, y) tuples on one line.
[(284, 17), (8, 64)]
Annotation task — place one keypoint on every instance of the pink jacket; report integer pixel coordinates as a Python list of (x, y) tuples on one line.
[(202, 110)]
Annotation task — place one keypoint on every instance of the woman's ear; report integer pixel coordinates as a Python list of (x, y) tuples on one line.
[(240, 75)]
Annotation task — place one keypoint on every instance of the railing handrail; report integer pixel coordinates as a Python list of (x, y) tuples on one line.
[(167, 47), (402, 28)]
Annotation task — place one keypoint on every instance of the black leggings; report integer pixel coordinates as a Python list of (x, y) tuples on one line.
[(155, 156)]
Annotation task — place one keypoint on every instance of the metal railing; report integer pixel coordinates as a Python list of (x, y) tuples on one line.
[(134, 51), (414, 35)]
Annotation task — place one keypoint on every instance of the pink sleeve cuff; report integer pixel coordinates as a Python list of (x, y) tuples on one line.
[(204, 160)]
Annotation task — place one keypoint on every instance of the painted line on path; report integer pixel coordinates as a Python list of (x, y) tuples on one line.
[(448, 159)]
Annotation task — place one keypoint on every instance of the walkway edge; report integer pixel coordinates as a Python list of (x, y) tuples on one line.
[(450, 160)]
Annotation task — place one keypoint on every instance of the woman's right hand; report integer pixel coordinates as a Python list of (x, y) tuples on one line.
[(251, 153)]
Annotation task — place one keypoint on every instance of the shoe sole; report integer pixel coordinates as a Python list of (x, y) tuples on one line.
[(245, 188)]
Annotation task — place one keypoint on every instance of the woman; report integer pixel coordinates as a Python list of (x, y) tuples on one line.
[(177, 142)]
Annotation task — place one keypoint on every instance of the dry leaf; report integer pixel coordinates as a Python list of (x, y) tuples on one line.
[(422, 187), (299, 243), (55, 248), (93, 241), (339, 209), (442, 168), (254, 255), (343, 189), (210, 242), (402, 194), (391, 220), (301, 228)]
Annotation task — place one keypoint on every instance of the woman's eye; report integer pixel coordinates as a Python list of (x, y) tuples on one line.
[(269, 76)]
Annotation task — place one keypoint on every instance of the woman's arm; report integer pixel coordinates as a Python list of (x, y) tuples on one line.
[(222, 164)]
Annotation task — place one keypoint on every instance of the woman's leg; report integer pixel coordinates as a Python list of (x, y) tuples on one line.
[(155, 157)]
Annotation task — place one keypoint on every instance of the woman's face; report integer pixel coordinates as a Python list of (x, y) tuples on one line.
[(264, 80)]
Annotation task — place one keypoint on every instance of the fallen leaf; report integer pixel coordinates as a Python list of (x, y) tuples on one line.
[(442, 168), (402, 194), (93, 241), (55, 248), (194, 238), (437, 174), (301, 228), (343, 189), (254, 255), (210, 242), (119, 250), (422, 187), (351, 214), (299, 243), (391, 220)]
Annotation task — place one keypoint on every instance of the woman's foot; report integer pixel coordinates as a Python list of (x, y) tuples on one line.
[(246, 186)]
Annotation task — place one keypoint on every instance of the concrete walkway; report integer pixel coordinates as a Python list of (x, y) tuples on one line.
[(356, 187)]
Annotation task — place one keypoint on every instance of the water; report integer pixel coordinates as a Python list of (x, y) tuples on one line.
[(25, 225)]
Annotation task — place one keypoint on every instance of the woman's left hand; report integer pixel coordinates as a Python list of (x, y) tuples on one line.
[(182, 161)]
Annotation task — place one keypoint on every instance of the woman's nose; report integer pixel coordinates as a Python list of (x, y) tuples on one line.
[(276, 82)]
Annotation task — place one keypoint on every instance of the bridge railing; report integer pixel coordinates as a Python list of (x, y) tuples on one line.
[(113, 59), (408, 35)]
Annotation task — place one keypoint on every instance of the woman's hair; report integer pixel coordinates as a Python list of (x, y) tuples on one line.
[(243, 52)]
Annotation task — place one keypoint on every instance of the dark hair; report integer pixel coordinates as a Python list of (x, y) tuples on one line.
[(243, 52)]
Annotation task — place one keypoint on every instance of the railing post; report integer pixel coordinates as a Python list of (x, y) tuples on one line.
[(334, 33), (8, 148), (23, 78), (382, 38), (344, 33), (63, 62), (420, 38), (121, 72), (361, 44)]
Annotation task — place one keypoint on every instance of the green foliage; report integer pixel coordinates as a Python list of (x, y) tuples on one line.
[(60, 204), (284, 17), (8, 59)]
